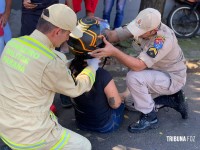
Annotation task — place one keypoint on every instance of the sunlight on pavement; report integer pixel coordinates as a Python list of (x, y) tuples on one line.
[(121, 147)]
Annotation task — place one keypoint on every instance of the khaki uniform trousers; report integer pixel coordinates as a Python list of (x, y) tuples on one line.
[(75, 142), (146, 85)]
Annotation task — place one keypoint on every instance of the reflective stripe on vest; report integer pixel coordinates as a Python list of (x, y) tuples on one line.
[(16, 146), (62, 142), (89, 73), (20, 51), (31, 42), (58, 146), (64, 138)]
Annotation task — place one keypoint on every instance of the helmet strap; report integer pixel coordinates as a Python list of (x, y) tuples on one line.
[(105, 60)]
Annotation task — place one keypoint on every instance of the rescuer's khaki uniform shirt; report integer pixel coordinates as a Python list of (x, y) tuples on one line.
[(169, 58), (166, 70)]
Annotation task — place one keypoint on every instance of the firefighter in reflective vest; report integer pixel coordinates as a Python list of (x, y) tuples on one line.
[(31, 73)]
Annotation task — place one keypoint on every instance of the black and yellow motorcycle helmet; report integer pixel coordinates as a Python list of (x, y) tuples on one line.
[(91, 39)]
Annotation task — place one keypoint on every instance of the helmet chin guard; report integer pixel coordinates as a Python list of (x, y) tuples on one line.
[(91, 39)]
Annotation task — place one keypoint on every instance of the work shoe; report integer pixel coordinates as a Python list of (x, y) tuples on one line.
[(5, 147), (146, 122), (65, 101), (176, 101)]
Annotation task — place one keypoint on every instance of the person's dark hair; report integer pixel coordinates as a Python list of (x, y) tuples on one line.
[(77, 65), (45, 26)]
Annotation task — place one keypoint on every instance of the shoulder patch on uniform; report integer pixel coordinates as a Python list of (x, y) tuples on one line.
[(158, 42), (152, 52)]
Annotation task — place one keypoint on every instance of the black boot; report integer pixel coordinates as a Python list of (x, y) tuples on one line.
[(146, 122), (176, 101), (5, 147)]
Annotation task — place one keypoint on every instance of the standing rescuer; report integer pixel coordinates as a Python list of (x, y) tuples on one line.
[(31, 73)]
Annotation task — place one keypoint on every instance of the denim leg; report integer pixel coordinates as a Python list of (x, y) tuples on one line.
[(108, 4), (1, 44), (119, 115), (119, 13), (113, 124), (117, 118), (7, 33)]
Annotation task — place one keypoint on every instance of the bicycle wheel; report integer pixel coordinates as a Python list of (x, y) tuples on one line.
[(183, 21)]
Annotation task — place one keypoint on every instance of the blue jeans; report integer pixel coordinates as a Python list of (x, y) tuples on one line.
[(108, 4), (116, 120), (7, 32), (5, 38), (113, 124), (1, 44)]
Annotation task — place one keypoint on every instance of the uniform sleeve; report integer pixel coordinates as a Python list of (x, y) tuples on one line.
[(123, 33), (161, 53), (57, 77)]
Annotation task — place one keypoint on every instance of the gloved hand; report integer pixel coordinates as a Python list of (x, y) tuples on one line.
[(94, 62)]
